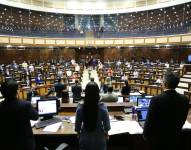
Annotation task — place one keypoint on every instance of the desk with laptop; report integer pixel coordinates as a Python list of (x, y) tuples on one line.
[(61, 129), (48, 114), (47, 108)]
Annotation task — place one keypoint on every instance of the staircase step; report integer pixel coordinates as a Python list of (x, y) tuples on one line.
[(185, 80), (85, 77), (181, 90), (187, 75), (182, 84)]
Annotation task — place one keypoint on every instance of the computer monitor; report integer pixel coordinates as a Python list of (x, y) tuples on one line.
[(133, 97), (143, 102), (47, 108), (142, 113), (120, 99), (35, 99), (189, 58)]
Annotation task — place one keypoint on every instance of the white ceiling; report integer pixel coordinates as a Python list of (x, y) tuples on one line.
[(91, 6)]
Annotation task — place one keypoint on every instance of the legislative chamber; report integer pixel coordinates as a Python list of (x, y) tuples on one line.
[(52, 47)]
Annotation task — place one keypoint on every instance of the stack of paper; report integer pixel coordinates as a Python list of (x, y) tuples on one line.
[(52, 127), (186, 125), (33, 122), (73, 119), (131, 127)]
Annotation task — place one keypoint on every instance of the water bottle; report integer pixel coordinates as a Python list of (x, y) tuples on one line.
[(133, 113)]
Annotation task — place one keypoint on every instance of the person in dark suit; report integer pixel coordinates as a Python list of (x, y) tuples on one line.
[(61, 91), (15, 127), (32, 92), (109, 96), (59, 87), (76, 90), (166, 116), (125, 91)]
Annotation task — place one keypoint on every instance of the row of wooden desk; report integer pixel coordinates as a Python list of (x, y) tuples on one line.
[(71, 107), (120, 141)]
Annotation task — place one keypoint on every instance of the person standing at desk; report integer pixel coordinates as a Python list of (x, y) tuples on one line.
[(92, 120), (166, 116), (15, 128), (76, 90), (125, 91), (58, 88), (61, 91)]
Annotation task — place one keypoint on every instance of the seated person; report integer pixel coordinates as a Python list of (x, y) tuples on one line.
[(125, 91), (76, 90), (106, 84), (135, 74), (159, 81), (38, 79), (109, 96), (69, 73), (60, 73)]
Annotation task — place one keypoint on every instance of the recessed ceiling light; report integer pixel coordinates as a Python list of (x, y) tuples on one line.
[(21, 46), (9, 46)]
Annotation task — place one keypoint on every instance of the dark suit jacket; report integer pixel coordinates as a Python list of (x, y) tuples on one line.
[(15, 127), (59, 87), (76, 90), (125, 90), (166, 116)]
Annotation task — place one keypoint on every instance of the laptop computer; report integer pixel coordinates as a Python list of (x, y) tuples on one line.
[(34, 99), (120, 99), (142, 115), (143, 102), (133, 97)]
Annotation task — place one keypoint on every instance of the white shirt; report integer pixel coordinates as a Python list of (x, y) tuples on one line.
[(77, 68)]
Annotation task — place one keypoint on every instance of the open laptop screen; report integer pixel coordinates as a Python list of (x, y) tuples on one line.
[(143, 102), (133, 98), (34, 99), (142, 114)]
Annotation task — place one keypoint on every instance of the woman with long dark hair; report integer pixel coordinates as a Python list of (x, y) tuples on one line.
[(92, 120)]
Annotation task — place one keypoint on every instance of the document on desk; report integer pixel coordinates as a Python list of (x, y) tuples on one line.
[(52, 127), (186, 125), (73, 119), (131, 127), (33, 122)]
